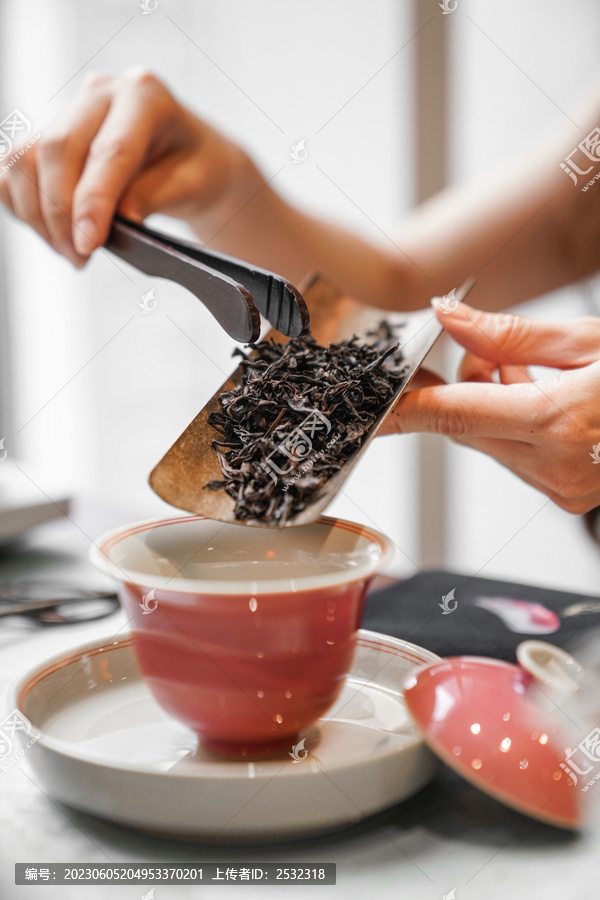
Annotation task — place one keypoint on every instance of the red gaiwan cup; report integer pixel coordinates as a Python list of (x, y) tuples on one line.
[(243, 634)]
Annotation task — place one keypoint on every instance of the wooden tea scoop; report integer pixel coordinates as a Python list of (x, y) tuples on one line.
[(181, 475), (235, 292)]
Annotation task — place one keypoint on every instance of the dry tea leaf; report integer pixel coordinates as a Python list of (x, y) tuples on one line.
[(300, 411)]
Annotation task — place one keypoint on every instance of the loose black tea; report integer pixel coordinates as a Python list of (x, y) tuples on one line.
[(300, 412)]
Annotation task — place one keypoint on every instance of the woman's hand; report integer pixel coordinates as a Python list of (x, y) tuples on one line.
[(123, 145), (546, 431)]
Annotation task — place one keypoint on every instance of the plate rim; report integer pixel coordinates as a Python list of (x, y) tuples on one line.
[(226, 769)]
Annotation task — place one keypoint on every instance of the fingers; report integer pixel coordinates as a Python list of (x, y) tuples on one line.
[(69, 185), (464, 411), (24, 195), (126, 145), (160, 188), (514, 375), (425, 378), (119, 149), (60, 158), (518, 341), (544, 431), (473, 368), (186, 179)]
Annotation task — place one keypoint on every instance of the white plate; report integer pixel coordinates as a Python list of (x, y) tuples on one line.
[(108, 749)]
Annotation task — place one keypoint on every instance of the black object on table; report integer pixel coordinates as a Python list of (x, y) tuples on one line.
[(49, 602), (410, 610)]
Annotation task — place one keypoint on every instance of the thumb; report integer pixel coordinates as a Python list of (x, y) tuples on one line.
[(468, 410), (505, 339)]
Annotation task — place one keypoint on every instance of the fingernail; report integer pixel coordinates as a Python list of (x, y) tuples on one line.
[(85, 236)]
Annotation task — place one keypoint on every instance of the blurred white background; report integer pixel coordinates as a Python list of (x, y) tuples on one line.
[(98, 391)]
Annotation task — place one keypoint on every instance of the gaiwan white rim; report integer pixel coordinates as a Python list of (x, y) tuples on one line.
[(100, 558)]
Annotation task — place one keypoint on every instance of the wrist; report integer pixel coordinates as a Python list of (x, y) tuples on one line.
[(245, 206)]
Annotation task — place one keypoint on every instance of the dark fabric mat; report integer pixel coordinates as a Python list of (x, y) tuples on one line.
[(410, 610)]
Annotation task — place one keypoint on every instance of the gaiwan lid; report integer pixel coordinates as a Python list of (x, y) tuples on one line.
[(503, 727)]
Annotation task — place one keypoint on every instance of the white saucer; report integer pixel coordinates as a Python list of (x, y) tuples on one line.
[(106, 748)]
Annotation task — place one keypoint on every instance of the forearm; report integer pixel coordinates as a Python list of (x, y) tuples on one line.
[(522, 233), (253, 222), (525, 235), (510, 239)]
